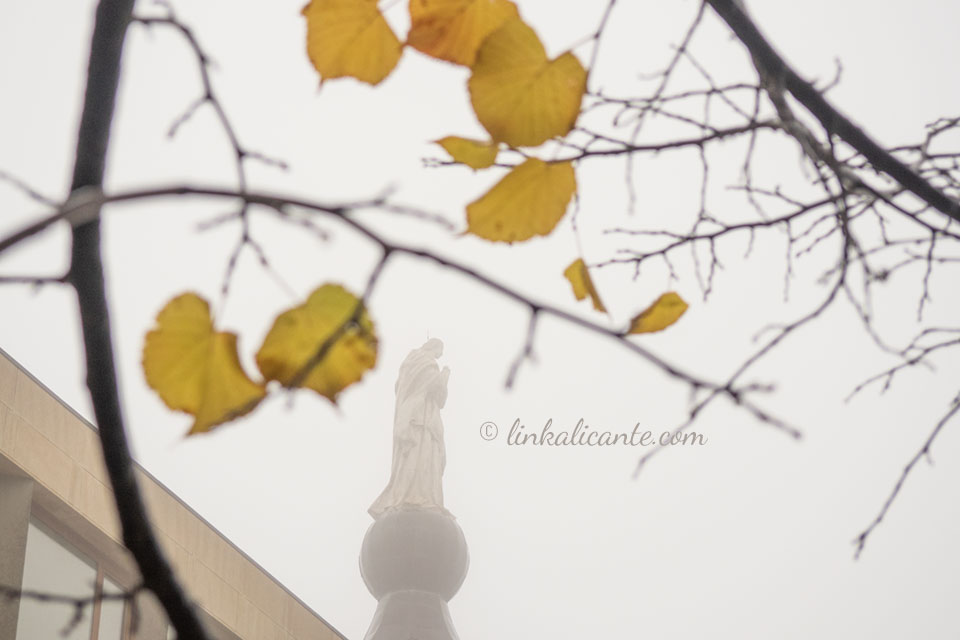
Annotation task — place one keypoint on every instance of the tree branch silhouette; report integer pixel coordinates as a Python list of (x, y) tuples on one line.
[(342, 213), (240, 152), (86, 276), (924, 451), (775, 71), (853, 215)]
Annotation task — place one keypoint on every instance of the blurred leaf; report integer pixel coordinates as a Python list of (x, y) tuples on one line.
[(661, 314), (350, 38), (195, 369), (452, 30), (476, 154), (298, 334), (579, 278), (520, 96), (529, 201)]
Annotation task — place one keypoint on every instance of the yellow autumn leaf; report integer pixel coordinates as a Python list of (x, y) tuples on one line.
[(350, 38), (473, 153), (298, 334), (579, 278), (661, 314), (529, 201), (195, 369), (520, 96), (452, 30)]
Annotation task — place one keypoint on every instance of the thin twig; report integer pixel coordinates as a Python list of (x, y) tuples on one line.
[(924, 451)]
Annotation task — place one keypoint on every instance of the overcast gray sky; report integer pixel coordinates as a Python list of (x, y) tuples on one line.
[(747, 536)]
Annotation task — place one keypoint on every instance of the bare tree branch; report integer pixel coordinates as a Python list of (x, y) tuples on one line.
[(281, 204), (241, 153), (86, 275), (770, 64), (35, 281), (924, 451), (526, 353), (26, 189)]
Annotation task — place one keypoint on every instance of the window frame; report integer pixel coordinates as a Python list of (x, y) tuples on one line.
[(88, 555)]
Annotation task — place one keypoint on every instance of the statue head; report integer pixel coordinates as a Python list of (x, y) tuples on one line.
[(434, 347)]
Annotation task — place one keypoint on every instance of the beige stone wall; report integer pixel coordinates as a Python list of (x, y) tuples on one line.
[(41, 437)]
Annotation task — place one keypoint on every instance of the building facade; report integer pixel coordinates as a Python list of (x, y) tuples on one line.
[(59, 534)]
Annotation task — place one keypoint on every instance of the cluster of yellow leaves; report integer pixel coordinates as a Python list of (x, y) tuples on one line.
[(325, 344), (351, 38), (520, 96)]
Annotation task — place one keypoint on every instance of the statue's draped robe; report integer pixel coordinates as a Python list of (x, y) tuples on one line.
[(418, 450)]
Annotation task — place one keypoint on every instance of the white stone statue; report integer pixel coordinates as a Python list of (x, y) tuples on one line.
[(418, 451)]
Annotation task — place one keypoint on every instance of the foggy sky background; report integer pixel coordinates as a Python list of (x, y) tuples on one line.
[(747, 536)]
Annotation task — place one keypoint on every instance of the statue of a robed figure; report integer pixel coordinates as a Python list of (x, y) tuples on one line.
[(414, 556), (416, 477)]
